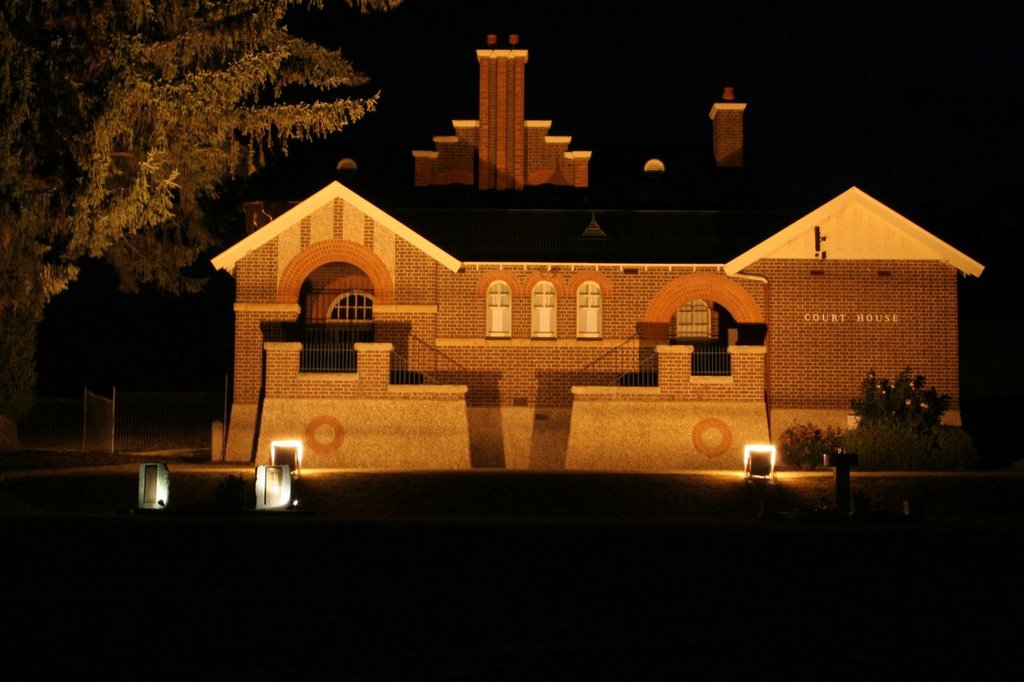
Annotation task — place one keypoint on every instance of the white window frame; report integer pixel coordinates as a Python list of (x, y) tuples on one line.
[(589, 302), (693, 320), (544, 310), (352, 307), (499, 310)]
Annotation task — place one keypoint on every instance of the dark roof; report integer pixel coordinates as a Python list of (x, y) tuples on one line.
[(692, 213), (557, 236), (384, 176)]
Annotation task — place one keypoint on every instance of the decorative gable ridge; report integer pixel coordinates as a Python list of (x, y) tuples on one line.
[(855, 226), (314, 210)]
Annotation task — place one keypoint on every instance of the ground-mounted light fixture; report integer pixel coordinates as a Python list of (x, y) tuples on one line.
[(273, 486), (154, 485), (759, 460), (287, 452)]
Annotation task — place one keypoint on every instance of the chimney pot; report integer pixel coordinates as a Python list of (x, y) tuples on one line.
[(492, 39), (728, 94), (513, 39)]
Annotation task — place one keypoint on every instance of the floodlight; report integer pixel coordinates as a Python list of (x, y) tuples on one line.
[(154, 485), (759, 460), (287, 452), (273, 486)]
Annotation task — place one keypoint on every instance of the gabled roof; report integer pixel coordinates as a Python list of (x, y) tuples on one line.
[(851, 212), (227, 259)]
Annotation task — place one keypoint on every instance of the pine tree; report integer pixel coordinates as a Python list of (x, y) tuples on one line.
[(120, 120)]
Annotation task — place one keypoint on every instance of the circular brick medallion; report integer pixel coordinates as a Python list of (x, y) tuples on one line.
[(315, 428), (711, 437)]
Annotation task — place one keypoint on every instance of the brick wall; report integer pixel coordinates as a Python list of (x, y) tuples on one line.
[(830, 322), (248, 367), (744, 384), (461, 303)]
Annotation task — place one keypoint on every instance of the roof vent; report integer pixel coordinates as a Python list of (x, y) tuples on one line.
[(593, 230), (654, 168), (347, 167)]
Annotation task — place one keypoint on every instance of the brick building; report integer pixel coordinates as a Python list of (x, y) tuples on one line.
[(498, 315)]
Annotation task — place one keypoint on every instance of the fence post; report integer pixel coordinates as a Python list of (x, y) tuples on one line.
[(85, 399), (113, 417)]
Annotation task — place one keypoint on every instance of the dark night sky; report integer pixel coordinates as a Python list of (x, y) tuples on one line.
[(918, 104)]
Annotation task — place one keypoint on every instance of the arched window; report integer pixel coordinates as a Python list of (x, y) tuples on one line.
[(543, 304), (588, 311), (693, 320), (353, 307), (499, 310)]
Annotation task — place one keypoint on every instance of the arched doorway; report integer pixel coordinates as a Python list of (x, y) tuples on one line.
[(709, 312), (336, 301), (715, 291)]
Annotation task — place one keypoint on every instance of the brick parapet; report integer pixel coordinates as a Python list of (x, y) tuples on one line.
[(372, 380)]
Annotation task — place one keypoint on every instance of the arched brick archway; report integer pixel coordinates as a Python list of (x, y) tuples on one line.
[(588, 276), (510, 278), (709, 287), (335, 251)]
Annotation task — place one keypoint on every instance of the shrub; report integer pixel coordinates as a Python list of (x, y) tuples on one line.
[(899, 427), (803, 446), (954, 449), (231, 493), (901, 448), (904, 402)]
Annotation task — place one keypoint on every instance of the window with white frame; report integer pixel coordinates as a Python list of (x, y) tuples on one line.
[(543, 305), (353, 307), (693, 320), (499, 310), (588, 311)]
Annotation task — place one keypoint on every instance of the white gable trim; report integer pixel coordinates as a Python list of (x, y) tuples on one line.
[(944, 251), (226, 260)]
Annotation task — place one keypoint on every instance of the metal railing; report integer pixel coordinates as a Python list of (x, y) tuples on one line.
[(402, 373), (645, 375), (710, 361), (331, 347)]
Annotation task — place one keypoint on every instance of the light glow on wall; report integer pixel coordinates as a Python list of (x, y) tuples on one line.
[(759, 459), (273, 486), (287, 452)]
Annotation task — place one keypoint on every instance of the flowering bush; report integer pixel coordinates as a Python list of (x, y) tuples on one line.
[(803, 446), (904, 402), (899, 427)]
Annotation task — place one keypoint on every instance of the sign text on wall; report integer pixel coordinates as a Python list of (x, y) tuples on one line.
[(840, 318)]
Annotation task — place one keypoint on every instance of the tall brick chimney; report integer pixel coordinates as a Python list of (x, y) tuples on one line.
[(502, 143), (502, 150), (727, 130)]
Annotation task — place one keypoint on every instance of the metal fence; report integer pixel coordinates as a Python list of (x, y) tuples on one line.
[(127, 421), (710, 361)]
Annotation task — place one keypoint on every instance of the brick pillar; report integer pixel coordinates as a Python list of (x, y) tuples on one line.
[(374, 367), (282, 368), (674, 370), (248, 368)]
